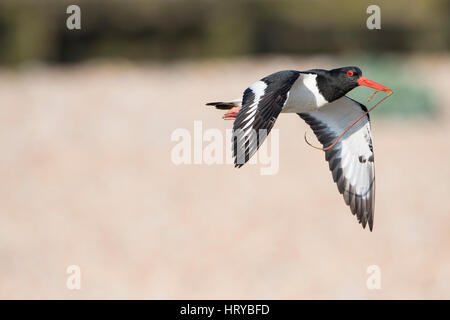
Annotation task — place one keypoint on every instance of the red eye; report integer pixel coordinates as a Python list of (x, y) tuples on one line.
[(350, 73)]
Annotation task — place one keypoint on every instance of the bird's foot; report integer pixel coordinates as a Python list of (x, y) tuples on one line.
[(232, 113)]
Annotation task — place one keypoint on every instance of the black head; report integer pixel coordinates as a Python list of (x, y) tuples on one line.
[(334, 84)]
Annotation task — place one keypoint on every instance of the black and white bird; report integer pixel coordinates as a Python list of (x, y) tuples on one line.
[(318, 97)]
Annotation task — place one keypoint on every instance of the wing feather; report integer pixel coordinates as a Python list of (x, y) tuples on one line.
[(351, 161), (261, 104)]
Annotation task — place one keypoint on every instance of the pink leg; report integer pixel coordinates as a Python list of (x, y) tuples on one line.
[(232, 113)]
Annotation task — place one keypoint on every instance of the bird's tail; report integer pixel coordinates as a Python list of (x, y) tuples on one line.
[(233, 107)]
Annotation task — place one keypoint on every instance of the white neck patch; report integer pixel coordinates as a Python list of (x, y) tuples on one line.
[(310, 83)]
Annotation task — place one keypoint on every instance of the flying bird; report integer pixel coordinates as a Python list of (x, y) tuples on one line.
[(319, 97)]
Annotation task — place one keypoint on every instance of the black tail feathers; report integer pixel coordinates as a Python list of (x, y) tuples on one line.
[(222, 105)]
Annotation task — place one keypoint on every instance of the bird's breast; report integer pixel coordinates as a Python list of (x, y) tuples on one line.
[(304, 95)]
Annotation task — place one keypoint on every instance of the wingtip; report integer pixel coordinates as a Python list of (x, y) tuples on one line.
[(364, 222), (368, 223)]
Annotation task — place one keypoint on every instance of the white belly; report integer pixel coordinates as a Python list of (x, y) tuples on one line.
[(304, 95)]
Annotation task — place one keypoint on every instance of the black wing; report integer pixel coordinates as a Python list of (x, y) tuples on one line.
[(261, 105), (351, 160)]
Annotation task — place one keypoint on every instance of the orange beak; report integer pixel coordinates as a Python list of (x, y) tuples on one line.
[(371, 84)]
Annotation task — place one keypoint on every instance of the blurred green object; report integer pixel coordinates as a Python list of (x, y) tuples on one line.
[(411, 98)]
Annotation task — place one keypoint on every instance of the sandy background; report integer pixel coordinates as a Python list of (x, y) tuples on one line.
[(87, 179)]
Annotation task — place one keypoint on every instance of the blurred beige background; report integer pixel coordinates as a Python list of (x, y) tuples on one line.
[(87, 179)]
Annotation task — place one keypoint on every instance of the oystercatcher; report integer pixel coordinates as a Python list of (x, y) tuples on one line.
[(318, 97)]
